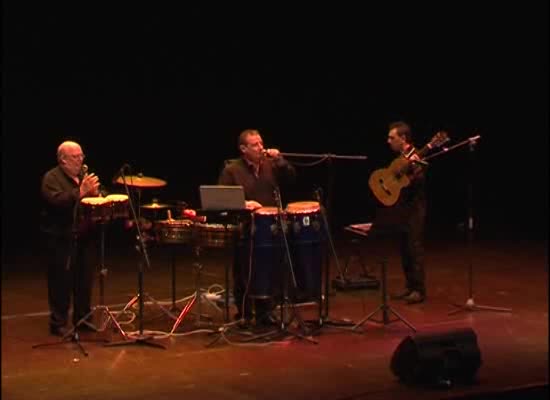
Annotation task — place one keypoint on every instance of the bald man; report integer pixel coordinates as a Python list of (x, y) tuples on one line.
[(67, 247)]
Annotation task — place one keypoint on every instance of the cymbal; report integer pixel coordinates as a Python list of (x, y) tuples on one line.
[(141, 181), (156, 206)]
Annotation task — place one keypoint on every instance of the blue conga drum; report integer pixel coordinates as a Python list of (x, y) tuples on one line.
[(306, 233), (267, 254)]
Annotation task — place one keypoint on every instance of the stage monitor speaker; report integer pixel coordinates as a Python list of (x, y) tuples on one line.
[(437, 358)]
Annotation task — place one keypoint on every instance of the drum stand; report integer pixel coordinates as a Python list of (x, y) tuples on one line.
[(285, 300), (173, 270), (141, 339), (226, 327), (101, 307), (196, 297)]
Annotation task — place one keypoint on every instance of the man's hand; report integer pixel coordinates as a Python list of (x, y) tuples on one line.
[(252, 205), (273, 153), (416, 170), (89, 186)]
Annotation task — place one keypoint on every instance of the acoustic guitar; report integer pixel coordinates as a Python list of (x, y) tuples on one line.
[(386, 183)]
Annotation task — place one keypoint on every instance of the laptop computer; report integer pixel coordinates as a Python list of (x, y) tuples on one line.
[(222, 197)]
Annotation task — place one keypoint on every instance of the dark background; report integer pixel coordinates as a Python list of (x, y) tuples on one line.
[(168, 90)]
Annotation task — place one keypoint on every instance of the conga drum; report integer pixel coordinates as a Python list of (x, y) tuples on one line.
[(306, 233), (267, 254), (95, 209), (120, 205)]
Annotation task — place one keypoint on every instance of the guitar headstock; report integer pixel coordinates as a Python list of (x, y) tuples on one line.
[(439, 139)]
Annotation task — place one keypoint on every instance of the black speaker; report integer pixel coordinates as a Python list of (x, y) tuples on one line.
[(437, 358)]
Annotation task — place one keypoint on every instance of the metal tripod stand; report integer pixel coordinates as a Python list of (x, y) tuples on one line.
[(196, 297)]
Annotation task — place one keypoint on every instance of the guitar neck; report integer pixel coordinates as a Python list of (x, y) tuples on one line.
[(423, 150)]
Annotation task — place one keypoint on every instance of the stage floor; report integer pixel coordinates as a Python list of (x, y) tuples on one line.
[(341, 365)]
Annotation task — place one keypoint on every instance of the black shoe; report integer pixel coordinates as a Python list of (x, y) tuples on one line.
[(243, 324), (84, 327), (415, 297), (403, 295), (238, 316), (267, 322), (59, 330)]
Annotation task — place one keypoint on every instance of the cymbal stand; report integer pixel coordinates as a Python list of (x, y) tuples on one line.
[(141, 243), (141, 339)]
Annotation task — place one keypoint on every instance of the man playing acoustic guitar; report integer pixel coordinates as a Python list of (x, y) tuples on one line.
[(412, 201)]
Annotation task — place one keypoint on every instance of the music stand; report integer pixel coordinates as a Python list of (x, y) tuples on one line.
[(387, 222)]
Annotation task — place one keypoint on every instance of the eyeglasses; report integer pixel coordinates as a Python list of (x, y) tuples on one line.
[(76, 156)]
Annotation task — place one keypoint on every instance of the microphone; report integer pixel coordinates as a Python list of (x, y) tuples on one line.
[(83, 171), (318, 193), (265, 153), (120, 172)]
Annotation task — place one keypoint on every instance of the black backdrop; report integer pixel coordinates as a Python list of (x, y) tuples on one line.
[(167, 90)]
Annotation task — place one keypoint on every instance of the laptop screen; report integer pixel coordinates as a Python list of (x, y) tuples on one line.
[(222, 197)]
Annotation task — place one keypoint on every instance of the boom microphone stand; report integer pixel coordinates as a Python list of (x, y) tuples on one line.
[(470, 304), (324, 319)]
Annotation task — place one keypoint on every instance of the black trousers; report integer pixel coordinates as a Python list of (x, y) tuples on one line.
[(412, 248), (66, 281)]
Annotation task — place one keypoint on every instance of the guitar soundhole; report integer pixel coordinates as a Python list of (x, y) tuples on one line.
[(381, 181)]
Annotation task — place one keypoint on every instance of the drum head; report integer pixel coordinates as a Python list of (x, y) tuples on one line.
[(267, 211), (95, 201), (303, 207), (117, 197)]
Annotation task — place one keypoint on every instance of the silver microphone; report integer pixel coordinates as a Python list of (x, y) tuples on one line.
[(265, 153), (83, 170)]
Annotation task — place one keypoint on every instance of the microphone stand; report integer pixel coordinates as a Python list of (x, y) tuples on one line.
[(470, 304), (141, 339), (324, 320), (327, 216)]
